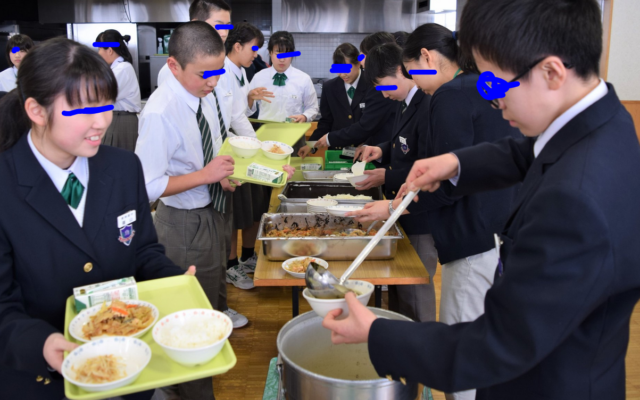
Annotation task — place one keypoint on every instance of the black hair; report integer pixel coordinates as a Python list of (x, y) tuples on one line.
[(283, 41), (55, 67), (344, 52), (523, 31), (194, 39), (243, 33), (383, 61), (200, 10), (111, 35), (436, 37), (400, 37), (24, 42), (375, 39)]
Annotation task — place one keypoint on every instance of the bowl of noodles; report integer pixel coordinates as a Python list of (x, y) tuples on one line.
[(131, 318), (106, 364), (298, 266), (276, 150)]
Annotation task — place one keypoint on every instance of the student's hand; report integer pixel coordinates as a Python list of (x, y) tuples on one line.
[(374, 211), (359, 152), (289, 170), (404, 190), (304, 152), (353, 329), (298, 118), (375, 179), (322, 142), (261, 93), (371, 153), (426, 174), (229, 185), (54, 348), (218, 169), (191, 271)]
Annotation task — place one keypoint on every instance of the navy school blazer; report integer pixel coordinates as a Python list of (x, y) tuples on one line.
[(556, 322), (372, 115), (44, 254)]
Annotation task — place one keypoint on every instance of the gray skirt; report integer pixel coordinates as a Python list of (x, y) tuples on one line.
[(123, 131)]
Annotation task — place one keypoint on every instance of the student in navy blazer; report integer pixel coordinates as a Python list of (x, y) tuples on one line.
[(556, 321), (53, 240)]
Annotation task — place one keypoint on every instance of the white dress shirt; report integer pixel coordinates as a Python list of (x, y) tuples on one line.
[(410, 95), (59, 176), (128, 88), (297, 96), (355, 86), (8, 79), (170, 143), (240, 73)]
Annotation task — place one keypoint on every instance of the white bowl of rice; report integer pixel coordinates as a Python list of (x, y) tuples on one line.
[(245, 147), (193, 337)]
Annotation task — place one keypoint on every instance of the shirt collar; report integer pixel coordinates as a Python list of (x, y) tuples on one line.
[(15, 70), (116, 62), (233, 67), (58, 175), (274, 72), (596, 94), (412, 93), (192, 101), (355, 83)]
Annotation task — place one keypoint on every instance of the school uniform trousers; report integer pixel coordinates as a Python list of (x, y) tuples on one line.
[(45, 253), (556, 321), (123, 131), (372, 115), (409, 143)]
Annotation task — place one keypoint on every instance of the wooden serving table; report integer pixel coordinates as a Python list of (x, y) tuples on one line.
[(405, 269)]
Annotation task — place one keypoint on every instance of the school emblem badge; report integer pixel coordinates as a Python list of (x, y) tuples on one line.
[(126, 235), (403, 145)]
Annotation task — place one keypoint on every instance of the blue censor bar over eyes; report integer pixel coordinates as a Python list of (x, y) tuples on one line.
[(423, 71), (106, 44), (497, 90), (255, 48), (289, 54), (361, 57), (340, 68), (224, 26), (386, 87), (15, 49), (87, 110), (209, 74)]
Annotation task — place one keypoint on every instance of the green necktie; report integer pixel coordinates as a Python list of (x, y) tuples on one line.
[(215, 189), (72, 191), (351, 92), (278, 79), (404, 106), (241, 81)]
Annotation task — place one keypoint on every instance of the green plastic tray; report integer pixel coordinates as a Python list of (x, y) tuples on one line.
[(169, 295), (333, 162)]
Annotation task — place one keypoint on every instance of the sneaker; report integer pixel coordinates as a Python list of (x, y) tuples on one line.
[(239, 278), (238, 320), (249, 264)]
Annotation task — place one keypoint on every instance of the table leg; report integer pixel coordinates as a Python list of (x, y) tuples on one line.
[(294, 301), (378, 296)]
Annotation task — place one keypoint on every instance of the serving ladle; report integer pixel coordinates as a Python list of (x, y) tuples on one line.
[(322, 284)]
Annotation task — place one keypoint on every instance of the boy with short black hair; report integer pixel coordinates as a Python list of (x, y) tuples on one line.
[(556, 322)]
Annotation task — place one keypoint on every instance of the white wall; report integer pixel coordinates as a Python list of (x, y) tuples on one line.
[(624, 53)]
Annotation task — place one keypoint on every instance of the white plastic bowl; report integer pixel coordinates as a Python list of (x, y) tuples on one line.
[(323, 306), (134, 353), (344, 177), (288, 150), (320, 205), (300, 275), (245, 147), (342, 210), (75, 327), (353, 180), (192, 356)]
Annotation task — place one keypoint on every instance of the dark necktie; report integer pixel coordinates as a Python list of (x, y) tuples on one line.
[(215, 189), (241, 81), (278, 79), (351, 92), (72, 191), (404, 106)]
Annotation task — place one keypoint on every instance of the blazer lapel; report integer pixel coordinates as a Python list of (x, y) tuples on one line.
[(45, 198), (361, 91), (412, 108), (341, 94), (98, 197)]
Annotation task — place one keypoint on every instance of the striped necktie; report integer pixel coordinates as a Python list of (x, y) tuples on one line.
[(404, 106), (351, 92), (215, 189), (72, 191)]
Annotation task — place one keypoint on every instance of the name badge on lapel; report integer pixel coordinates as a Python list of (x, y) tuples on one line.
[(403, 144), (361, 105), (126, 229)]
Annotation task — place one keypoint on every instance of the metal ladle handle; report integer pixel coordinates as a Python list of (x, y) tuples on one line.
[(376, 239)]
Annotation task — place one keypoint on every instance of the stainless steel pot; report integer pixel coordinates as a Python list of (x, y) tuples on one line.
[(312, 368)]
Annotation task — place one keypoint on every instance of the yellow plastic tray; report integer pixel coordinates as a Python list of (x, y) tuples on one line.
[(287, 133), (169, 295)]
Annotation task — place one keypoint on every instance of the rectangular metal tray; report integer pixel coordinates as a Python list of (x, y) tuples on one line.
[(169, 295), (327, 248), (320, 176), (300, 192)]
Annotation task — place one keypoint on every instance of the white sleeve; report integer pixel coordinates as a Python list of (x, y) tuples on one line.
[(310, 100), (156, 145), (128, 87), (239, 121)]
